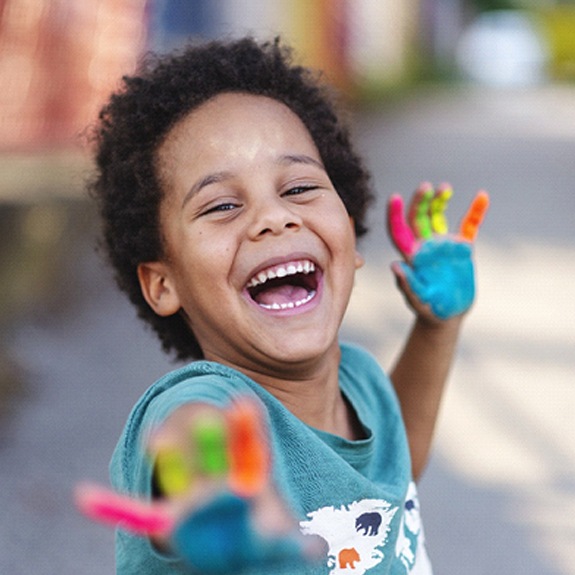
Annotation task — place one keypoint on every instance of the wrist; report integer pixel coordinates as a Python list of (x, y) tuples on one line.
[(439, 328)]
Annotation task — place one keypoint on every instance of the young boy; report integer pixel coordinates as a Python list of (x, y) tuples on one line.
[(232, 199)]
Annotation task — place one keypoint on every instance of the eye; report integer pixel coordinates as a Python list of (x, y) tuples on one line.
[(299, 190), (222, 207)]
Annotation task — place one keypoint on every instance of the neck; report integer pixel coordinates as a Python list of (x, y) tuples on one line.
[(313, 396), (328, 411)]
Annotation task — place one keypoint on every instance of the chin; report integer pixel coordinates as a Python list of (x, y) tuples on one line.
[(304, 352)]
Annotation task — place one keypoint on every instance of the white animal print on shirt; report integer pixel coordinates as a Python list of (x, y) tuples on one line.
[(356, 534)]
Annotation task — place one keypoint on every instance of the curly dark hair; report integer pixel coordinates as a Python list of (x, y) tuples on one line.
[(137, 119)]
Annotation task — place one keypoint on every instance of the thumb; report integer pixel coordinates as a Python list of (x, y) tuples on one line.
[(407, 281), (413, 290)]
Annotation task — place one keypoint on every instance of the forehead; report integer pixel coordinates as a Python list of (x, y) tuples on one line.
[(225, 118)]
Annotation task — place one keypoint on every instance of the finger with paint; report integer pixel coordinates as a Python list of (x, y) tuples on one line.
[(210, 437), (173, 471), (201, 454), (231, 447), (249, 457), (110, 508), (398, 228), (419, 211), (438, 208), (474, 216)]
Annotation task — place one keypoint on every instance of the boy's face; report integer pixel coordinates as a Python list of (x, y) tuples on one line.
[(260, 249)]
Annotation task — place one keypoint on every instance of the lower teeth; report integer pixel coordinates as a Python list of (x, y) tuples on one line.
[(289, 305)]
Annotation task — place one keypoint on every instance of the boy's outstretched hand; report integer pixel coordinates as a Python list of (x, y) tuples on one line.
[(437, 275), (217, 508)]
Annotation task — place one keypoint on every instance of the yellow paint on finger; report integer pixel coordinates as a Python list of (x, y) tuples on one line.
[(438, 208), (173, 473)]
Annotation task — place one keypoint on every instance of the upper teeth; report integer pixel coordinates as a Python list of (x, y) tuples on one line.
[(281, 271)]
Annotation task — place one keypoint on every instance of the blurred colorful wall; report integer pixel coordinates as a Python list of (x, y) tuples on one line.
[(359, 44), (60, 59)]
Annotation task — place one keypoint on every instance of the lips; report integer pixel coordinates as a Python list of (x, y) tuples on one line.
[(285, 286)]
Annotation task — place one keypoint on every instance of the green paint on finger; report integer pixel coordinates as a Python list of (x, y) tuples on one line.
[(210, 437), (422, 219)]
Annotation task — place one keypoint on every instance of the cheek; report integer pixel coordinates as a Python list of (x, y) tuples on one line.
[(190, 257), (345, 235), (335, 216), (210, 259)]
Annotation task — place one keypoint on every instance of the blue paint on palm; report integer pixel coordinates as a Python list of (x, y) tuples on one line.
[(442, 275), (218, 538)]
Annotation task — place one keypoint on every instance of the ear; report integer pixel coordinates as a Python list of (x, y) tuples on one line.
[(158, 288), (359, 260)]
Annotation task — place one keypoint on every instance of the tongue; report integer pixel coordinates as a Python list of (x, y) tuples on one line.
[(281, 295)]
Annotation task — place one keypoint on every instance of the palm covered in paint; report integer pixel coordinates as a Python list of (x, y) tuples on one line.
[(437, 274)]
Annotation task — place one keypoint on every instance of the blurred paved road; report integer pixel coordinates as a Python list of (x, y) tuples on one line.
[(499, 495)]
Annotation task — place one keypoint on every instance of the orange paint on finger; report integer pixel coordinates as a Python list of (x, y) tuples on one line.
[(249, 456), (474, 216)]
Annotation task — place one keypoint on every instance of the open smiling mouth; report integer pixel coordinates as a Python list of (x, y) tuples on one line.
[(285, 286)]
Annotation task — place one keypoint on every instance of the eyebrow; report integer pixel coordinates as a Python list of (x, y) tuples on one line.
[(300, 159), (205, 181), (216, 177)]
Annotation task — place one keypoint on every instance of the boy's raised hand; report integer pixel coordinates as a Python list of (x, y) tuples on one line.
[(218, 510), (437, 274)]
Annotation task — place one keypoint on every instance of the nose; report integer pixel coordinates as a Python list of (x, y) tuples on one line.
[(273, 216)]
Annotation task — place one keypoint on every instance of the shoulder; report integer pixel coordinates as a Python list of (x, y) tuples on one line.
[(365, 383), (358, 364), (200, 381), (351, 352)]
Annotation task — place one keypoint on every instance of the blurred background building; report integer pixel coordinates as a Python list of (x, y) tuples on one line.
[(59, 59)]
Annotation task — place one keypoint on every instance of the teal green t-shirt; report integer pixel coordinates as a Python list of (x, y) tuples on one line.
[(356, 495)]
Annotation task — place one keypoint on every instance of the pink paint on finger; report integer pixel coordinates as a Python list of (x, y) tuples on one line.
[(399, 230), (106, 506)]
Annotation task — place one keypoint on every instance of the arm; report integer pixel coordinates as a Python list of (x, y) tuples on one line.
[(437, 280), (419, 378)]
